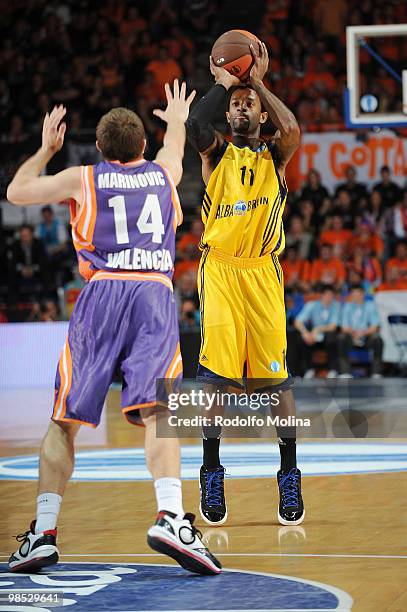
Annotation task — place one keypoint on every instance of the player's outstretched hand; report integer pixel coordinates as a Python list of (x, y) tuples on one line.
[(260, 65), (222, 76), (177, 105), (53, 131)]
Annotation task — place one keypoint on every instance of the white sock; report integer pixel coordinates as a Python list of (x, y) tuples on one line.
[(168, 493), (48, 505)]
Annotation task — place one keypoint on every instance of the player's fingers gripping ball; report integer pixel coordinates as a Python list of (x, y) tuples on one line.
[(232, 52)]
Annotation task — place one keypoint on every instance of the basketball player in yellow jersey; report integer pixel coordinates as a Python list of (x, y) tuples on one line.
[(240, 280)]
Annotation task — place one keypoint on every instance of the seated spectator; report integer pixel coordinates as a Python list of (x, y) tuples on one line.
[(365, 237), (336, 236), (313, 189), (294, 302), (186, 289), (357, 191), (394, 223), (178, 44), (189, 242), (327, 270), (393, 281), (317, 324), (146, 49), (374, 212), (399, 261), (28, 264), (186, 265), (53, 236), (321, 78), (293, 269), (389, 190), (367, 267), (307, 213), (343, 208), (132, 22), (360, 326), (298, 236), (51, 232), (164, 69), (189, 316), (149, 90), (50, 311)]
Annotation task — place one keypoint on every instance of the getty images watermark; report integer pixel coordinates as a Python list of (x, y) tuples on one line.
[(199, 399)]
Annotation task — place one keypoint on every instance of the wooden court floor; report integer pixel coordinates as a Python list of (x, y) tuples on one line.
[(354, 535)]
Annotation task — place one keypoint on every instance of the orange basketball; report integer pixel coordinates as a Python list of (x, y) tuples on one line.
[(232, 52)]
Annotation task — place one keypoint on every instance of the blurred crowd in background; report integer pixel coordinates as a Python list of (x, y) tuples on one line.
[(92, 56)]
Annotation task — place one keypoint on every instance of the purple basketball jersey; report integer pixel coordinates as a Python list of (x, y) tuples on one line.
[(127, 220)]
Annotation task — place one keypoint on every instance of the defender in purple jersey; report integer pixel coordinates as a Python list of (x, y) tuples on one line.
[(124, 214)]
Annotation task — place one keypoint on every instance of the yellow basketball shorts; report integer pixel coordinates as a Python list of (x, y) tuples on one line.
[(242, 317)]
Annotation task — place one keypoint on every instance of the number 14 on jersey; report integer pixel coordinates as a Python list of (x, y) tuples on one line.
[(149, 222)]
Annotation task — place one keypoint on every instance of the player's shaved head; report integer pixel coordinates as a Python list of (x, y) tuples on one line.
[(120, 135)]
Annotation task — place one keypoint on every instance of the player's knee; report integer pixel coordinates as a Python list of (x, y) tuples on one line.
[(151, 414), (63, 428)]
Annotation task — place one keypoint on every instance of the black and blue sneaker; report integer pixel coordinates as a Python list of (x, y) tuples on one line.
[(213, 505), (291, 508)]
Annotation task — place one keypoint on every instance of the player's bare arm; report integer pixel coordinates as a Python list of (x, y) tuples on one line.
[(175, 115), (288, 134), (28, 187), (201, 132)]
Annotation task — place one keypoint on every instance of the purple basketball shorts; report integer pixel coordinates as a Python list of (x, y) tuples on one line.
[(126, 324)]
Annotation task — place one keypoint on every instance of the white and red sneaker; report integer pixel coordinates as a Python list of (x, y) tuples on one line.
[(37, 550), (180, 540)]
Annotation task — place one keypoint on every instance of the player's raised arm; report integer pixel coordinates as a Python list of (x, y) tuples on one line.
[(28, 187), (289, 138), (172, 152), (200, 130)]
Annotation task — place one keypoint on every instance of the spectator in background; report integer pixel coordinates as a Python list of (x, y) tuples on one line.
[(189, 316), (335, 235), (393, 281), (51, 232), (164, 69), (313, 189), (343, 208), (327, 270), (399, 261), (298, 236), (188, 253), (293, 268), (375, 209), (53, 236), (368, 268), (394, 223), (317, 324), (132, 23), (367, 238), (189, 242), (186, 289), (28, 264), (389, 190), (330, 16), (357, 191), (50, 312), (360, 325)]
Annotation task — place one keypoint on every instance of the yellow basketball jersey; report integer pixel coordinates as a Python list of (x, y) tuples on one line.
[(243, 203)]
